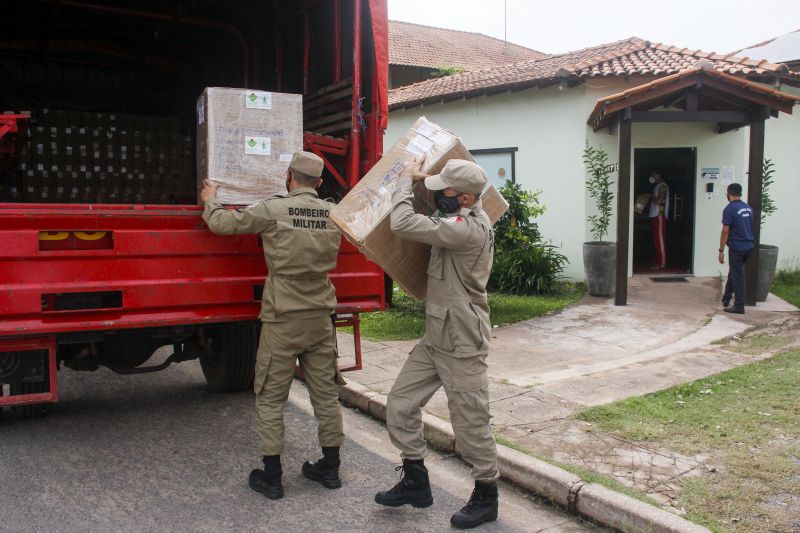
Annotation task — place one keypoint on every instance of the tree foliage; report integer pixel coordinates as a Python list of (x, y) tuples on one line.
[(598, 182), (523, 263)]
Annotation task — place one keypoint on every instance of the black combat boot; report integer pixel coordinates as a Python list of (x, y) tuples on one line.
[(326, 470), (414, 487), (481, 507), (268, 481)]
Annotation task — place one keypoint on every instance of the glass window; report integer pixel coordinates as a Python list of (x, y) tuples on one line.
[(498, 163)]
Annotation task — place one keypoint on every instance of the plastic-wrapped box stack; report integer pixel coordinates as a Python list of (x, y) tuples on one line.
[(363, 215), (80, 157), (245, 141)]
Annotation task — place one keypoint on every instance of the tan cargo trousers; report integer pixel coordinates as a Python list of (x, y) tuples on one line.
[(466, 384), (312, 342)]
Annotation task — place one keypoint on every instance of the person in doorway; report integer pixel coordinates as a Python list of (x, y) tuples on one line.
[(659, 212), (737, 234), (456, 343), (301, 245)]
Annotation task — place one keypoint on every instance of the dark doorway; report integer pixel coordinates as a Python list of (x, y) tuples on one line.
[(677, 167)]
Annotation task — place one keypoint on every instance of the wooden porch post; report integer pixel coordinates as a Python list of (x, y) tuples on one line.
[(623, 208), (754, 176)]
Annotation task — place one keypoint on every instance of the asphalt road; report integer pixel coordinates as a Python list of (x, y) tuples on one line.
[(161, 453)]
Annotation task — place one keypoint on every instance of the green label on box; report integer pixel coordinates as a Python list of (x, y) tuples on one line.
[(258, 100), (258, 146)]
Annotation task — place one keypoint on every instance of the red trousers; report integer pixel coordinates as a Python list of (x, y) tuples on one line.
[(659, 225)]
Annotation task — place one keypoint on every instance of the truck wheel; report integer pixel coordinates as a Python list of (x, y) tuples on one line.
[(229, 363), (30, 411)]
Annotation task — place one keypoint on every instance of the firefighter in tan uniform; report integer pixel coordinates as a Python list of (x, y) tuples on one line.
[(453, 352), (301, 245)]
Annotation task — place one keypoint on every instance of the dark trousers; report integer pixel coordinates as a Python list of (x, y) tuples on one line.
[(735, 285)]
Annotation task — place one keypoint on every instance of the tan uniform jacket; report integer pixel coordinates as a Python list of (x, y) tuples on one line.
[(456, 305), (301, 245)]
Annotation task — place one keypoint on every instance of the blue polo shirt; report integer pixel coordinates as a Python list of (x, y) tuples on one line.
[(739, 217)]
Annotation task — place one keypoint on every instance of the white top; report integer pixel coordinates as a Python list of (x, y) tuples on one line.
[(654, 200)]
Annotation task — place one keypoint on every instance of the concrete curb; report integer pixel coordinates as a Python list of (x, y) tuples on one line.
[(604, 506)]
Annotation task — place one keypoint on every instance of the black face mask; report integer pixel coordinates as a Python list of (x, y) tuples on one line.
[(446, 204)]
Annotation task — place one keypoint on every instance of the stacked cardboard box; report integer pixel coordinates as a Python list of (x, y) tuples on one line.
[(245, 141), (103, 158), (363, 215)]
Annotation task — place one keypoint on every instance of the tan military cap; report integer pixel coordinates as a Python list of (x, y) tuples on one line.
[(461, 175), (307, 163)]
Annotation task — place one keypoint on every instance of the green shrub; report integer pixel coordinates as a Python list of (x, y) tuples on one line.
[(531, 269), (523, 263)]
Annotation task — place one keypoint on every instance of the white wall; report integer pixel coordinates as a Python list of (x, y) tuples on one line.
[(782, 145), (549, 128)]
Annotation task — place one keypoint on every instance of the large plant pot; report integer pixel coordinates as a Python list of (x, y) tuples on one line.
[(767, 263), (599, 261)]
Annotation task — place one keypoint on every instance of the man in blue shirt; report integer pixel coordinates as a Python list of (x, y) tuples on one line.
[(737, 233)]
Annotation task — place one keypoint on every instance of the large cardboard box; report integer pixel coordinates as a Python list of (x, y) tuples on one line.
[(245, 141), (363, 215)]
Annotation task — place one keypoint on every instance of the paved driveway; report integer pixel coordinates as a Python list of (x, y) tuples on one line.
[(160, 453)]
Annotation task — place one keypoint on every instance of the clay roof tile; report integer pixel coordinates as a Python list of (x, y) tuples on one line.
[(628, 57), (427, 46)]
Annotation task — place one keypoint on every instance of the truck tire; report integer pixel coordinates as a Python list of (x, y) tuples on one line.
[(34, 410), (229, 364)]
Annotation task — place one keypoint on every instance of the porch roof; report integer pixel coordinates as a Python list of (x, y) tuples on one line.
[(702, 93)]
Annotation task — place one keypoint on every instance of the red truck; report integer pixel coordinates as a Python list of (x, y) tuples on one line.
[(104, 257)]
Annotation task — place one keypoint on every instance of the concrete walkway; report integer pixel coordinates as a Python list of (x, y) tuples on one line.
[(544, 370)]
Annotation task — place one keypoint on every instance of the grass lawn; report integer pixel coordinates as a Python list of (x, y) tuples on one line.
[(787, 285), (748, 419), (406, 319)]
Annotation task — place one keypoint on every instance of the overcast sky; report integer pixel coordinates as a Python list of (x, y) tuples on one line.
[(555, 26)]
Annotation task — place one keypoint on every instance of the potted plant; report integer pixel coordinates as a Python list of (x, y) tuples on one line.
[(767, 254), (599, 256)]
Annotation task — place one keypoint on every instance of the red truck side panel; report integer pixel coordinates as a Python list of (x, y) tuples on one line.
[(158, 265)]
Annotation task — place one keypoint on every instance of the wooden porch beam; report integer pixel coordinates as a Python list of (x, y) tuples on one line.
[(754, 197), (623, 211), (725, 128), (691, 100), (731, 102), (753, 96), (647, 95), (691, 116)]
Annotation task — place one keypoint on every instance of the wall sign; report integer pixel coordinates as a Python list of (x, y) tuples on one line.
[(709, 174)]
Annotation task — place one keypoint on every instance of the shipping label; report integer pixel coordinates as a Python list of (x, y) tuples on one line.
[(426, 129), (257, 146), (442, 139), (419, 145), (258, 100)]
